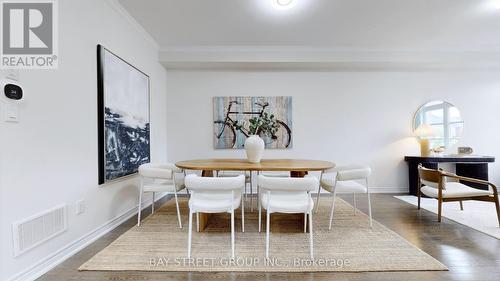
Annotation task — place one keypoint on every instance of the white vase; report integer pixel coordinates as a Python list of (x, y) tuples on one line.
[(254, 147)]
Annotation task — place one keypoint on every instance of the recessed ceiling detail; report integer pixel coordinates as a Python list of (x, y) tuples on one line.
[(382, 25)]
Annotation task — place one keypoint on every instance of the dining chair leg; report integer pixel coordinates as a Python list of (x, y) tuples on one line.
[(178, 210), (369, 202), (139, 209), (311, 242), (331, 210), (319, 193), (305, 222), (268, 218), (232, 233), (260, 214), (369, 208), (354, 200), (153, 205), (251, 192), (461, 206), (244, 193), (242, 216), (197, 222), (190, 234)]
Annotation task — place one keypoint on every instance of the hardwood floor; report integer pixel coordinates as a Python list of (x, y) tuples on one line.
[(469, 254)]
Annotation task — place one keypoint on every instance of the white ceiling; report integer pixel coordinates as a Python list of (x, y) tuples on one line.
[(392, 25)]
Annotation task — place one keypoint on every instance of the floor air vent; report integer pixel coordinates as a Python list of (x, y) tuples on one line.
[(37, 229)]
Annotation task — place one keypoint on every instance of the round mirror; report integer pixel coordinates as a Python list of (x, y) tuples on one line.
[(439, 122)]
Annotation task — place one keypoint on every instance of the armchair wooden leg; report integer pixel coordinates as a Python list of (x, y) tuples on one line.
[(461, 206), (440, 206), (497, 205)]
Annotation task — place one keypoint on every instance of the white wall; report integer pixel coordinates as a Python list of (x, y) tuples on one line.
[(342, 116), (50, 157)]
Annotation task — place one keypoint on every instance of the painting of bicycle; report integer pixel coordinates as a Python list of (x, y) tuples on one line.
[(236, 118)]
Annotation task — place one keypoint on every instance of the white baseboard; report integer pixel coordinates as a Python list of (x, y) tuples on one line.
[(49, 262), (375, 189)]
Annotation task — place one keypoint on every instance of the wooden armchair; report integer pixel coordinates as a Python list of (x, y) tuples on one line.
[(433, 184)]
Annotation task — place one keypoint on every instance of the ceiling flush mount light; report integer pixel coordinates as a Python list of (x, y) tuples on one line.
[(492, 4), (284, 2), (496, 4), (283, 7)]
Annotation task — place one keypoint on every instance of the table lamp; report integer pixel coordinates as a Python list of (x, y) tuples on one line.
[(423, 132)]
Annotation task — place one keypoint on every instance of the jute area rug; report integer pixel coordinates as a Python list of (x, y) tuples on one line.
[(351, 246)]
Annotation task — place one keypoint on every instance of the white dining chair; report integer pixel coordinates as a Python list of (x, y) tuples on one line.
[(160, 178), (346, 179), (248, 181), (215, 195), (274, 174), (287, 195)]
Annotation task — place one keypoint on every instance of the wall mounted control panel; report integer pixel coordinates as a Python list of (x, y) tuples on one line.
[(11, 96), (13, 92)]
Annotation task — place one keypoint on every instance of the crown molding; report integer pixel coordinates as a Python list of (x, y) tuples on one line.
[(279, 57), (115, 5)]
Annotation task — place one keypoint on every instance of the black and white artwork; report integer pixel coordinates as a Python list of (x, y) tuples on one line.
[(123, 101)]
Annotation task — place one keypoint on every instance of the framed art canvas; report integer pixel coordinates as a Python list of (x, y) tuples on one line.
[(233, 116), (123, 117)]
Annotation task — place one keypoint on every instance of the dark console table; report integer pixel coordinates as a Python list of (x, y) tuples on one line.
[(467, 166)]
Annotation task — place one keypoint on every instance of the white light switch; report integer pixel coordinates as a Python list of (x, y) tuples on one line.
[(80, 207)]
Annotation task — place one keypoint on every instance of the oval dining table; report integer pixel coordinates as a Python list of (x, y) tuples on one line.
[(296, 167)]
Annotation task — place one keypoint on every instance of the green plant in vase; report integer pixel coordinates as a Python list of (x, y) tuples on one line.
[(264, 126)]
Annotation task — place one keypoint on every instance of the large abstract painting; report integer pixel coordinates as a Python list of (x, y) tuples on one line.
[(233, 116), (123, 116)]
